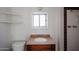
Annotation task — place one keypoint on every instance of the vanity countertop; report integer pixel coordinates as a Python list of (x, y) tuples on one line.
[(32, 42)]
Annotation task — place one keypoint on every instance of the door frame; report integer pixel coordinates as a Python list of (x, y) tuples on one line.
[(65, 24)]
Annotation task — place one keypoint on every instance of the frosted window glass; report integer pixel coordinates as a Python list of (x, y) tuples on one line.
[(42, 20), (36, 20)]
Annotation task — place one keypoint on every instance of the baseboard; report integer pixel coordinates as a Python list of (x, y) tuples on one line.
[(5, 49)]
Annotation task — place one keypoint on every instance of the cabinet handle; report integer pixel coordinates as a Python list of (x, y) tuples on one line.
[(74, 26), (69, 26)]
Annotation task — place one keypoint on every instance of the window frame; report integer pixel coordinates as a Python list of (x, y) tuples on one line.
[(46, 20)]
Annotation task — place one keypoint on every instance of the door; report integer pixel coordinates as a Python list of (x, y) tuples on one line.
[(72, 30)]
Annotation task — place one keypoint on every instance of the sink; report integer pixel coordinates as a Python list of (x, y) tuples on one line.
[(40, 40)]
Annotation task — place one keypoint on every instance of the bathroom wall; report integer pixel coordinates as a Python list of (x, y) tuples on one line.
[(20, 28), (5, 41), (23, 29)]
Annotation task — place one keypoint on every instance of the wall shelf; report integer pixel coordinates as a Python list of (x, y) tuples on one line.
[(11, 22), (11, 14)]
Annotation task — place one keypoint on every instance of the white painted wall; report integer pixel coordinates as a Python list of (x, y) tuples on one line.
[(22, 31), (4, 30)]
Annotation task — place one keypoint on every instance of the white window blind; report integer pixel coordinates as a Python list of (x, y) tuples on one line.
[(40, 20)]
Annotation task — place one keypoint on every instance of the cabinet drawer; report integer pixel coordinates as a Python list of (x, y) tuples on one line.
[(40, 47)]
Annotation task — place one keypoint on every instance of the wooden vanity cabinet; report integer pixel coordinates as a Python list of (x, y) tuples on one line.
[(49, 47), (30, 45)]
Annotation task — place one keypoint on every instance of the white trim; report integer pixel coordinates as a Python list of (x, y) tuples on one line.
[(40, 13), (4, 49)]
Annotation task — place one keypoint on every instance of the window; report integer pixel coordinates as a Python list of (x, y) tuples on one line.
[(40, 20)]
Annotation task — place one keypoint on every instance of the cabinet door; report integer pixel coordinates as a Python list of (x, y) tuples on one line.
[(72, 30)]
